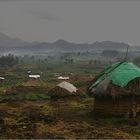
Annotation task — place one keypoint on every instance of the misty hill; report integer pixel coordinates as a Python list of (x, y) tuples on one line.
[(18, 46), (61, 46), (6, 41), (64, 46)]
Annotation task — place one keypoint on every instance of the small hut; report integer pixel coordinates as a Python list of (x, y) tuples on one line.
[(34, 77), (2, 79), (63, 78), (63, 89), (117, 90)]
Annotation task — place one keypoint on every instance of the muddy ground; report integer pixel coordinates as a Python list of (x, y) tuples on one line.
[(64, 118)]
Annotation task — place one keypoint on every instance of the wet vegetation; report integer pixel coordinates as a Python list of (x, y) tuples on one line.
[(28, 112), (64, 118)]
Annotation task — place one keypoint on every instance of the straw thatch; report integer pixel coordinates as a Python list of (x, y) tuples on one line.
[(108, 89), (63, 89)]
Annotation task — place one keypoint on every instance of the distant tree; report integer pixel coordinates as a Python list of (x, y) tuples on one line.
[(90, 62), (69, 61), (137, 60), (95, 62), (78, 53), (110, 53), (8, 61)]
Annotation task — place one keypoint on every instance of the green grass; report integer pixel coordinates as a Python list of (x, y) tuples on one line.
[(24, 96)]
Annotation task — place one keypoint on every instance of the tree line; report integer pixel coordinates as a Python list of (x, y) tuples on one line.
[(8, 61)]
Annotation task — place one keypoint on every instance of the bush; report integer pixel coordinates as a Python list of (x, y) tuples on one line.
[(84, 95)]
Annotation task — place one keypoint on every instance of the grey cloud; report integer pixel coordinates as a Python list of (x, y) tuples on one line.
[(72, 20), (43, 14), (66, 0)]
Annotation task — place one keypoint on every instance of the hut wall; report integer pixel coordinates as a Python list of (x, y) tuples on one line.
[(60, 92), (138, 103), (116, 107)]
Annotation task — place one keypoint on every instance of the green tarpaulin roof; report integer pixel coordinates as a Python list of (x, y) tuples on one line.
[(119, 73)]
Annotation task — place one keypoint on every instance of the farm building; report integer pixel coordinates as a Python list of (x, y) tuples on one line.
[(2, 78), (34, 76), (63, 89), (63, 78), (117, 90)]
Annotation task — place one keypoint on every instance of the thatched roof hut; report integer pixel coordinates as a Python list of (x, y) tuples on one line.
[(63, 89), (117, 90)]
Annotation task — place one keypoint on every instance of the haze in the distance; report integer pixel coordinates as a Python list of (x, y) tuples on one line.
[(76, 21)]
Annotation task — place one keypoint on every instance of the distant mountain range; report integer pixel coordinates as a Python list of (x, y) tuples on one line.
[(6, 41), (15, 45)]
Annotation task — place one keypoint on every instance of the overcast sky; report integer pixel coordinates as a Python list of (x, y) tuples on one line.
[(72, 20)]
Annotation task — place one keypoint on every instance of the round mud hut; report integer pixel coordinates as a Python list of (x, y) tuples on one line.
[(116, 90), (63, 89)]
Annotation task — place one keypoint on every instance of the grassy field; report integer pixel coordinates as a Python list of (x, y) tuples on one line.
[(31, 114), (64, 118)]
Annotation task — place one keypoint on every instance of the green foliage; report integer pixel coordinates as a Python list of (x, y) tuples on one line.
[(84, 95), (24, 96), (8, 61)]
